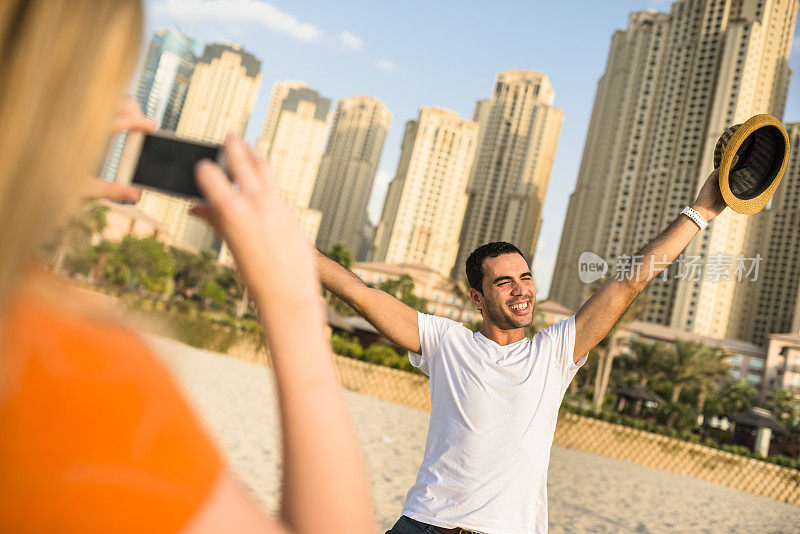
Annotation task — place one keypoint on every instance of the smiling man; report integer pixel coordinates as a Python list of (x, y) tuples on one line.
[(495, 393)]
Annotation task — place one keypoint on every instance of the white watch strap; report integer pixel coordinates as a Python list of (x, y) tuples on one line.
[(698, 219)]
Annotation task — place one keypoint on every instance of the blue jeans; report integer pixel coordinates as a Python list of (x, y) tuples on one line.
[(406, 525)]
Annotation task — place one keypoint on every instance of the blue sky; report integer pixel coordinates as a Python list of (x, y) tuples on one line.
[(446, 54)]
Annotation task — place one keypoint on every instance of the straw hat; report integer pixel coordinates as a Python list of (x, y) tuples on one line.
[(751, 158)]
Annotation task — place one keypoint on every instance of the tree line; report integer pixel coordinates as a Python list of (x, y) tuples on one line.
[(143, 264)]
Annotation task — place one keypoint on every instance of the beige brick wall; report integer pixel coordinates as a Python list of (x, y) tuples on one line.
[(637, 446), (393, 385)]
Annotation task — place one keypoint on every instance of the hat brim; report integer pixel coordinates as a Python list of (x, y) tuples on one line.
[(752, 204)]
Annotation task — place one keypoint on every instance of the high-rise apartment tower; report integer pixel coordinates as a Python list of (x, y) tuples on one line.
[(347, 171), (293, 138), (673, 83), (425, 204), (519, 130)]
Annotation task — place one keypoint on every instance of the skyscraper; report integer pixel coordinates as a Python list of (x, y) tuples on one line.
[(168, 67), (425, 204), (219, 100), (293, 138), (279, 92), (347, 170), (519, 129), (673, 83), (161, 88), (222, 93)]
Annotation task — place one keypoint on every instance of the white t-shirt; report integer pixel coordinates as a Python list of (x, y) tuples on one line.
[(493, 416)]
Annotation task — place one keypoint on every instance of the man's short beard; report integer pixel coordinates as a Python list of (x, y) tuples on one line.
[(498, 317)]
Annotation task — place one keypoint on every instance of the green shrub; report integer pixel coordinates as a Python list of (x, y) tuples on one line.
[(784, 461), (691, 437), (639, 424), (387, 356), (211, 292), (667, 431), (381, 355), (737, 449), (680, 416), (346, 347)]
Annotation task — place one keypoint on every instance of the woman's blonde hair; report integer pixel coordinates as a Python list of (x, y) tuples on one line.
[(64, 65)]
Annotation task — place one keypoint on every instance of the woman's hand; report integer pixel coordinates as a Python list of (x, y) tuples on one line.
[(128, 117), (263, 233)]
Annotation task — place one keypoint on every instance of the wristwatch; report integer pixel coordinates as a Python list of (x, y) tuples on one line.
[(698, 219)]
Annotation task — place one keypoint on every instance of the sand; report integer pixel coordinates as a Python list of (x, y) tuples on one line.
[(587, 493)]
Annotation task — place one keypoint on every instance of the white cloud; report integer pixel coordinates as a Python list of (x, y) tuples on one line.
[(385, 64), (245, 11), (350, 41)]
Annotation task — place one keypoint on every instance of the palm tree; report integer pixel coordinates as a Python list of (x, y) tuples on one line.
[(737, 397), (192, 270), (647, 362), (784, 405), (611, 345), (709, 372), (341, 255), (648, 358), (403, 289), (79, 232), (694, 365)]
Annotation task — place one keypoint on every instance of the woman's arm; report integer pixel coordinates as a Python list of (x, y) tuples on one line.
[(325, 488)]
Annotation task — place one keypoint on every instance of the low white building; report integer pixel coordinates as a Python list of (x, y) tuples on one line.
[(782, 366)]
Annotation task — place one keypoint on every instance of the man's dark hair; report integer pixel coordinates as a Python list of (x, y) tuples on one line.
[(489, 250)]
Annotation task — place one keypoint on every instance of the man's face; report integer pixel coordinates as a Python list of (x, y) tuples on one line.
[(508, 292)]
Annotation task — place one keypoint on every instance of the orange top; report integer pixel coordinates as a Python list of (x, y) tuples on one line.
[(94, 435)]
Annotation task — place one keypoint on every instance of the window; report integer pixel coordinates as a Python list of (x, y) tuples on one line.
[(753, 379), (756, 364), (735, 360)]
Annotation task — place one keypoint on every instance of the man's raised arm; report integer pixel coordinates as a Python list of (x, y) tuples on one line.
[(392, 317), (604, 308)]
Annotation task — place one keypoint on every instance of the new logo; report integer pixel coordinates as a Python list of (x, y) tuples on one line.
[(591, 267)]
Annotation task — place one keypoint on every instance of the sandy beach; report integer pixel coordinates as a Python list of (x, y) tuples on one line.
[(587, 493)]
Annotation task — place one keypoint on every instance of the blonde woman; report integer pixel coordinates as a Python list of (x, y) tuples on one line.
[(94, 436)]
